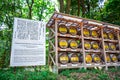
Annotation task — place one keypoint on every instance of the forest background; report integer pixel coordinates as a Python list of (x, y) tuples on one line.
[(102, 10)]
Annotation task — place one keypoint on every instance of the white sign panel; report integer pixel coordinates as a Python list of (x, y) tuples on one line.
[(28, 44)]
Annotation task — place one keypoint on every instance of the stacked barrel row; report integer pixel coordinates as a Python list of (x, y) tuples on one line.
[(65, 58)]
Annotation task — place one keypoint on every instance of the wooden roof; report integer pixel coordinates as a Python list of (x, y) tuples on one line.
[(69, 19)]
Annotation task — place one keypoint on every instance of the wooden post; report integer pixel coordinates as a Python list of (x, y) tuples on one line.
[(83, 49), (104, 53), (49, 49), (56, 44), (118, 39)]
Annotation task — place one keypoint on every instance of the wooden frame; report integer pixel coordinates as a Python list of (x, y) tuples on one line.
[(58, 18)]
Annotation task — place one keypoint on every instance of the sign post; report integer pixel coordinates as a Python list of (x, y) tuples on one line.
[(28, 43)]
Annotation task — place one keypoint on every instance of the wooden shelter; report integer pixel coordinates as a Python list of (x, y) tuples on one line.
[(80, 24)]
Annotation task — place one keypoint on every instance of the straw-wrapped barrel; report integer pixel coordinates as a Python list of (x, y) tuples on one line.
[(94, 34), (96, 58), (74, 58), (63, 58), (94, 45), (87, 45), (88, 58), (113, 57), (62, 29), (73, 44), (73, 30), (86, 32), (63, 43)]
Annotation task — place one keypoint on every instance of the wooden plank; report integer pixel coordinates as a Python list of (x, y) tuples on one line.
[(70, 65), (49, 48), (52, 59), (52, 44), (56, 44), (91, 38), (52, 30), (118, 36), (69, 49), (112, 51), (68, 35), (108, 40), (95, 65), (104, 53), (83, 49), (98, 51), (51, 51)]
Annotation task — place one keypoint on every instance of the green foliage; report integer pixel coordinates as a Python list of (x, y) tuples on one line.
[(103, 77), (21, 74), (72, 74), (113, 11), (66, 73), (42, 10)]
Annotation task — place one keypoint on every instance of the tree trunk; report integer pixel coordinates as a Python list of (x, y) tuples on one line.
[(78, 8), (83, 7), (88, 7), (30, 5), (61, 2), (68, 6)]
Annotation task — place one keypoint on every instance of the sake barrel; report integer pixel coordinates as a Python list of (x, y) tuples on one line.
[(118, 57), (117, 46), (94, 45), (113, 57), (94, 34), (87, 45), (88, 58), (63, 58), (86, 32), (78, 31), (73, 44), (105, 35), (106, 46), (110, 36), (96, 58), (74, 58), (63, 43), (112, 46), (62, 29), (108, 58), (81, 57), (73, 30)]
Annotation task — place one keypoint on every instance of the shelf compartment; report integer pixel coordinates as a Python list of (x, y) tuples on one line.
[(69, 49), (69, 35), (70, 65), (91, 38)]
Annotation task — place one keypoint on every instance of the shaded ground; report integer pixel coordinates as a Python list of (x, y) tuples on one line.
[(90, 74)]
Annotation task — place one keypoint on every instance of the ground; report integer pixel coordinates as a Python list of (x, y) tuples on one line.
[(71, 74)]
